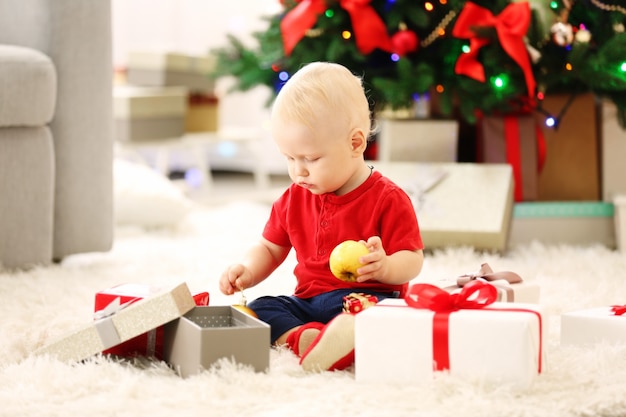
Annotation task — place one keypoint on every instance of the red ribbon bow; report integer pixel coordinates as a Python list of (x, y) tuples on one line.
[(618, 310), (370, 31), (474, 295), (300, 19), (511, 26)]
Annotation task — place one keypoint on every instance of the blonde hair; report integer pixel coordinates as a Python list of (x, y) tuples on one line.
[(324, 88)]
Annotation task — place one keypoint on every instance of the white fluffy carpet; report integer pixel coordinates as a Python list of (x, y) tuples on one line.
[(40, 304)]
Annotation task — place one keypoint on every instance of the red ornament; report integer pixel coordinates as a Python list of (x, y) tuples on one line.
[(404, 42)]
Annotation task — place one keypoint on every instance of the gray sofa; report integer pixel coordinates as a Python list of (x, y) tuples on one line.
[(56, 146)]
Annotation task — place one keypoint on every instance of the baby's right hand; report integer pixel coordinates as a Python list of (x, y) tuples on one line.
[(234, 278)]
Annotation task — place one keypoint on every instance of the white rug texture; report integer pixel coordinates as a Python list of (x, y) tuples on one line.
[(40, 304)]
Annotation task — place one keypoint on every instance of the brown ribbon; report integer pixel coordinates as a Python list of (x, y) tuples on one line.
[(485, 272)]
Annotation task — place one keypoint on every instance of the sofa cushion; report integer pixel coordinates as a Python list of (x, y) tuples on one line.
[(27, 87)]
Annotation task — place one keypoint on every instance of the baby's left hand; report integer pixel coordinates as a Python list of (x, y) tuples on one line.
[(375, 267)]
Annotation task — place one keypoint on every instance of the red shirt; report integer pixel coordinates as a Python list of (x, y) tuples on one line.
[(314, 224)]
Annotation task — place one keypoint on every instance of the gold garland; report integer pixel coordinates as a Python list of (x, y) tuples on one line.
[(439, 30), (432, 37), (608, 7)]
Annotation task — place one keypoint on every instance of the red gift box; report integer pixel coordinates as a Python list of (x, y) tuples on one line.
[(357, 302), (148, 344)]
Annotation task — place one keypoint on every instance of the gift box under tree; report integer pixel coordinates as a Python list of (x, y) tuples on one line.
[(571, 171), (518, 141)]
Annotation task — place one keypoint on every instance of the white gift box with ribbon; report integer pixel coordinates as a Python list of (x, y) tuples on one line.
[(118, 323), (499, 344), (594, 325), (511, 287)]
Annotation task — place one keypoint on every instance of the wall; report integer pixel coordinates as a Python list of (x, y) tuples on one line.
[(195, 27)]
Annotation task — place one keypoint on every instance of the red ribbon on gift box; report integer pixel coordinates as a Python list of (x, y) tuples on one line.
[(357, 301), (513, 152), (474, 295), (149, 343), (618, 310)]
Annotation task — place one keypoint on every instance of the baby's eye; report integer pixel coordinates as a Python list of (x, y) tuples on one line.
[(312, 159)]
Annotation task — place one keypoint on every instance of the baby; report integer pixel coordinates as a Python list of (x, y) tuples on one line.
[(320, 121)]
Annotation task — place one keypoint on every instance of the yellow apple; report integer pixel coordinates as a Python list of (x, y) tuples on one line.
[(344, 259), (245, 309)]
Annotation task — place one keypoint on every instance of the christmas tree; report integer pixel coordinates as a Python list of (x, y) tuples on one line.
[(485, 56)]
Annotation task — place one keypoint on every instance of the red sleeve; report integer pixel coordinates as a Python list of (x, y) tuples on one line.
[(275, 229), (399, 225)]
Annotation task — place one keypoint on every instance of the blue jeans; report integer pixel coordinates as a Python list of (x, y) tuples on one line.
[(284, 312)]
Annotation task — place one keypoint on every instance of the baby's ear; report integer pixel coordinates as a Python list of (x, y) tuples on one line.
[(358, 141)]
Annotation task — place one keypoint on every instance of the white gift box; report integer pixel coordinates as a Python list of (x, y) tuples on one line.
[(153, 68), (500, 344), (148, 113), (520, 292), (418, 140), (470, 204), (590, 326), (511, 287), (619, 220)]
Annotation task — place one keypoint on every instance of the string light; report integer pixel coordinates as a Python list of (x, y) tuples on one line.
[(623, 67), (439, 88), (500, 81), (553, 121), (329, 13), (395, 57), (429, 6), (568, 66), (346, 34), (466, 49), (283, 76)]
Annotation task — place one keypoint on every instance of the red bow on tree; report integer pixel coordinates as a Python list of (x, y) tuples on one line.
[(300, 19), (369, 29), (511, 26)]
